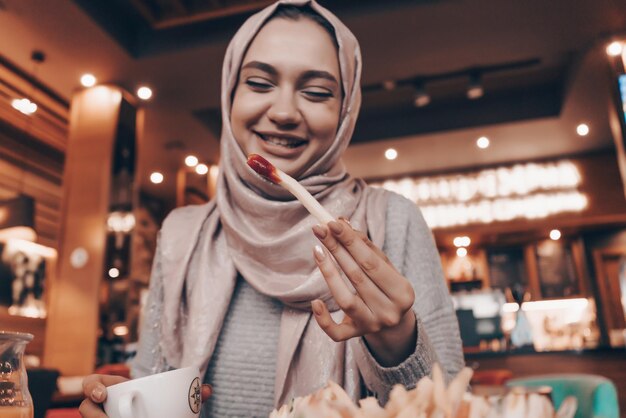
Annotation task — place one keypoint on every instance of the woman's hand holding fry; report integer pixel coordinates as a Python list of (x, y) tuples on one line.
[(381, 309)]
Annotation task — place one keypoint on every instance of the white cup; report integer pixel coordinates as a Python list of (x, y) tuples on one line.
[(173, 394)]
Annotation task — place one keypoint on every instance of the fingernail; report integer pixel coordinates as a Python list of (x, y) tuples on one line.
[(319, 231), (319, 253), (96, 393), (335, 227), (317, 309)]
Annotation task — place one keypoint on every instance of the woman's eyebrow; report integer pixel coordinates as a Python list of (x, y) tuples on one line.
[(311, 74), (261, 66)]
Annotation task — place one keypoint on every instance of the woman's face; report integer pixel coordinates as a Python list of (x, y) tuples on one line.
[(288, 98)]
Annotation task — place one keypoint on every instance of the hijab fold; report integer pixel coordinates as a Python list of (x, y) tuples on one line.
[(256, 230)]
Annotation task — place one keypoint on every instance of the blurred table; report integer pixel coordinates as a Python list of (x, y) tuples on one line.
[(66, 400), (608, 362)]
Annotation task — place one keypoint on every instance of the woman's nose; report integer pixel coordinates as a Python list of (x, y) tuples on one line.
[(284, 110)]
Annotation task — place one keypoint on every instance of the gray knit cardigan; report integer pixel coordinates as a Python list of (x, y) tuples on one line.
[(242, 367)]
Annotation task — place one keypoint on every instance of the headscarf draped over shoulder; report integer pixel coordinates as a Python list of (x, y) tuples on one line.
[(256, 230)]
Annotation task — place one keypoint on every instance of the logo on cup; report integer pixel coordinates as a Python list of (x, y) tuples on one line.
[(195, 399)]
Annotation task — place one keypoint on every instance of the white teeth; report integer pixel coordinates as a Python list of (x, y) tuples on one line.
[(284, 142)]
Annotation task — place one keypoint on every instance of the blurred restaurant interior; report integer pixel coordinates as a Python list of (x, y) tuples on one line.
[(504, 121)]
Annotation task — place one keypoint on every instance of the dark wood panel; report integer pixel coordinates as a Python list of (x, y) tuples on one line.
[(39, 178)]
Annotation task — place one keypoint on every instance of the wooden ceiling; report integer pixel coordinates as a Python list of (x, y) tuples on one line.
[(177, 46), (162, 14)]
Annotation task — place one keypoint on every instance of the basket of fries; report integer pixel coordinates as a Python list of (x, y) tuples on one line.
[(430, 398)]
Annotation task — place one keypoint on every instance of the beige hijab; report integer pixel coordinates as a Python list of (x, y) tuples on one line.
[(257, 230)]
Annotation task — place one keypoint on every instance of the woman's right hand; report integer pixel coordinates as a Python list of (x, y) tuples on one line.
[(95, 391)]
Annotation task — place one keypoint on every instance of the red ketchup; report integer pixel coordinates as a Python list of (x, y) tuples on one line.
[(263, 167)]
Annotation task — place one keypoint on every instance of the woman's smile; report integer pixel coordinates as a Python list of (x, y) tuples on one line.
[(281, 144)]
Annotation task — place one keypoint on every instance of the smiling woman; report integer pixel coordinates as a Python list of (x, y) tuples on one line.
[(268, 305)]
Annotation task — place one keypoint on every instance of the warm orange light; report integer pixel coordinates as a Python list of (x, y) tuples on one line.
[(555, 234), (482, 142), (24, 105), (202, 169), (391, 154), (88, 80), (462, 241), (614, 49), (144, 92), (191, 161), (156, 177), (13, 245)]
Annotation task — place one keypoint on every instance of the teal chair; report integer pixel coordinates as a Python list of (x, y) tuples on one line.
[(596, 395)]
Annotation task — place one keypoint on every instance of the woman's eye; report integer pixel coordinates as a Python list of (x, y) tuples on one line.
[(318, 94), (258, 84)]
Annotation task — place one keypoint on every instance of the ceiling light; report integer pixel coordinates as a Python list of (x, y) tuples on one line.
[(391, 154), (461, 252), (144, 93), (114, 273), (120, 221), (462, 241), (422, 98), (191, 161), (156, 177), (88, 80), (475, 87), (202, 169), (614, 49), (483, 142), (120, 330), (582, 129), (24, 105), (555, 234)]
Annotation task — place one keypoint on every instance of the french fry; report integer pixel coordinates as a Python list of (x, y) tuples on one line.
[(429, 399), (457, 388), (479, 407), (371, 409), (439, 392), (273, 174), (424, 396), (398, 397)]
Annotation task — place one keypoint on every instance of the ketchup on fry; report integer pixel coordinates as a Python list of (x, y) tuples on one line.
[(263, 167)]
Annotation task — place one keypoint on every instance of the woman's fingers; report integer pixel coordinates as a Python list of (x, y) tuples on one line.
[(394, 286), (337, 332), (350, 303), (379, 269), (89, 409), (94, 386), (371, 245), (371, 294)]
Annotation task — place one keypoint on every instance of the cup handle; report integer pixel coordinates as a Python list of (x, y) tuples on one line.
[(125, 404)]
